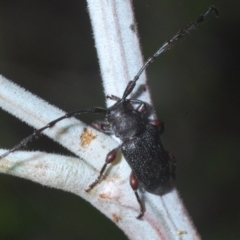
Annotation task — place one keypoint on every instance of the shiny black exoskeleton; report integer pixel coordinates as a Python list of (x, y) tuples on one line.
[(141, 144)]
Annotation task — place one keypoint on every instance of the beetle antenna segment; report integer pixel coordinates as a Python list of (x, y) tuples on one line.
[(166, 46)]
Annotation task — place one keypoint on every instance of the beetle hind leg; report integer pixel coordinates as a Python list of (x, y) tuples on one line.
[(134, 185)]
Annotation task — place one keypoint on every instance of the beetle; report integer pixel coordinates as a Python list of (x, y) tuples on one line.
[(141, 144)]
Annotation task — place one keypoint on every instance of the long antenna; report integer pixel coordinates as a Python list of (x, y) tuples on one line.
[(166, 46)]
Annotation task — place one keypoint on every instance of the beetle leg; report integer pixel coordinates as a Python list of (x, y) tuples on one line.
[(102, 126), (111, 156), (134, 185), (141, 108)]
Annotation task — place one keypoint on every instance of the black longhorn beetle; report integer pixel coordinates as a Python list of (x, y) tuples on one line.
[(141, 144)]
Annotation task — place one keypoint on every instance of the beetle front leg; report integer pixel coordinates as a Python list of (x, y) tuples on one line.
[(111, 156), (102, 126), (141, 108), (134, 185)]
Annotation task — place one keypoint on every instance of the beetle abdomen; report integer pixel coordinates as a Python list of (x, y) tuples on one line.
[(148, 160)]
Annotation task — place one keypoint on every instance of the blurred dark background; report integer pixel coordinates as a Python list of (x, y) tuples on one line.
[(47, 47)]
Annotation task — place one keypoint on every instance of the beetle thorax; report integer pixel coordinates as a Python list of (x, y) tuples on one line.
[(125, 121)]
